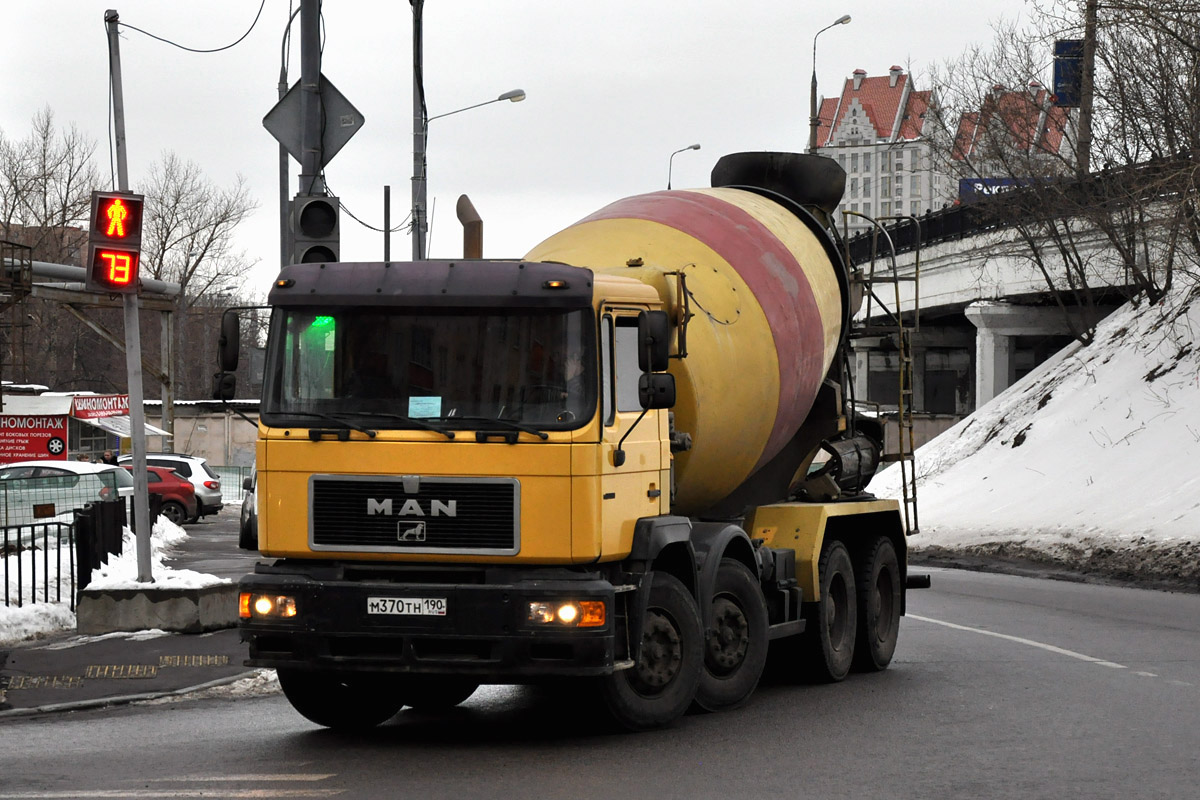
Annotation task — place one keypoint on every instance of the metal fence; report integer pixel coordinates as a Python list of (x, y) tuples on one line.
[(39, 563), (231, 483)]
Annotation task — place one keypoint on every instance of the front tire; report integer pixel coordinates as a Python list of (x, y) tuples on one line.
[(736, 651), (342, 701), (832, 622), (879, 602), (660, 687)]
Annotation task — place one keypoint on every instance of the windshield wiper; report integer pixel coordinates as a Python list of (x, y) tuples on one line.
[(329, 418), (415, 422), (505, 423)]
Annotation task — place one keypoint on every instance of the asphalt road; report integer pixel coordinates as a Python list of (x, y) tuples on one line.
[(1002, 686)]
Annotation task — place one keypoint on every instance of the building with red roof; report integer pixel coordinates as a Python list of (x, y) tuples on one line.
[(876, 130)]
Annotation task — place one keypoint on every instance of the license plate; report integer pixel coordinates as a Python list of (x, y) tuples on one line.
[(407, 606)]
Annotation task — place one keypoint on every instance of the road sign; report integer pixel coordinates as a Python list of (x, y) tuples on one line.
[(342, 120)]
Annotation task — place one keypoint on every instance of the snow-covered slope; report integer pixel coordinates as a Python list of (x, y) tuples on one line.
[(1094, 457)]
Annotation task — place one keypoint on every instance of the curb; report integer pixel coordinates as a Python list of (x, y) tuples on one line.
[(103, 702)]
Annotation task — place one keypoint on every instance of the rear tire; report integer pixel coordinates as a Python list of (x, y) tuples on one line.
[(434, 692), (832, 622), (879, 602), (736, 651), (174, 512), (660, 687), (342, 701)]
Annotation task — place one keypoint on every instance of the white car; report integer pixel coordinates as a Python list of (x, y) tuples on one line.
[(64, 484)]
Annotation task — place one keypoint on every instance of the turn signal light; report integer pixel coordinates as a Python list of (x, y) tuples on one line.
[(252, 605), (572, 614)]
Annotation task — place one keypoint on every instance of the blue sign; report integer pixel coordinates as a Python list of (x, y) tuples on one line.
[(1068, 72), (973, 189)]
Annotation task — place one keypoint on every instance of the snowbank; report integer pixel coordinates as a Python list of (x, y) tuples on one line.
[(1095, 453), (41, 618)]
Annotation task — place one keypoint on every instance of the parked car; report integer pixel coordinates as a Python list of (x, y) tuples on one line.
[(197, 471), (248, 530), (69, 472), (178, 494), (65, 485)]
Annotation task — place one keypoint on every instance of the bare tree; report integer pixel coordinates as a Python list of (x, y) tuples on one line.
[(46, 180), (1130, 223)]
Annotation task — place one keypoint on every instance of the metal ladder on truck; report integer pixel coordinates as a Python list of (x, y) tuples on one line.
[(894, 329)]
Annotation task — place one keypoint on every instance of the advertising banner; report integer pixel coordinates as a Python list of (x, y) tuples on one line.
[(24, 437), (94, 406)]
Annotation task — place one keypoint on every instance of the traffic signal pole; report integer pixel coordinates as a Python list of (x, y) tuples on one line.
[(133, 336)]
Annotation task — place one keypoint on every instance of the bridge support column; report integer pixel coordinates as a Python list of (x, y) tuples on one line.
[(997, 325)]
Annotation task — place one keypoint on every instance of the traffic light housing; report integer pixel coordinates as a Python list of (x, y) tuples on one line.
[(114, 242), (315, 232)]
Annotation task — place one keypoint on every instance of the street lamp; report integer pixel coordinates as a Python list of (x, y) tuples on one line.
[(420, 135), (671, 160), (814, 121)]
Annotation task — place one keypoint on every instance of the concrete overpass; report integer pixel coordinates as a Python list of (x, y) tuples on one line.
[(982, 315)]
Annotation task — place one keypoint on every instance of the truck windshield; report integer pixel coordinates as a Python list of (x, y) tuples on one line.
[(461, 368)]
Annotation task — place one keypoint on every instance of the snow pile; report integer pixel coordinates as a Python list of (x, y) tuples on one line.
[(40, 618), (1092, 460), (121, 571)]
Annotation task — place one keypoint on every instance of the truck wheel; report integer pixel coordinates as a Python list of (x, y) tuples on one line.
[(878, 583), (435, 692), (832, 621), (660, 687), (736, 650), (343, 701)]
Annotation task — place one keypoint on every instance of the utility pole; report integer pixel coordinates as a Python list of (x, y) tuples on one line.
[(310, 98), (419, 131), (133, 336), (1087, 86)]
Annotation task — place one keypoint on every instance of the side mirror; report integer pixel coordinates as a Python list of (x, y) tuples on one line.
[(224, 386), (248, 483), (654, 341), (656, 390), (229, 342)]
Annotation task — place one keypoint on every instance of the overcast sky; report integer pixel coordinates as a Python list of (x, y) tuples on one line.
[(613, 88)]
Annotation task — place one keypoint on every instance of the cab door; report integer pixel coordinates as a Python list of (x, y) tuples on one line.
[(636, 488)]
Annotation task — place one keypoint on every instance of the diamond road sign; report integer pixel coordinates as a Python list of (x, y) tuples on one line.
[(342, 121)]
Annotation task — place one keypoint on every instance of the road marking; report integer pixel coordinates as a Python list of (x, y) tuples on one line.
[(1147, 674), (45, 682), (138, 794), (294, 776), (1019, 640), (121, 671), (193, 661)]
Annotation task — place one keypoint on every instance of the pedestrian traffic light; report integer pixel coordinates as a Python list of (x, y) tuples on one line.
[(114, 242), (315, 231)]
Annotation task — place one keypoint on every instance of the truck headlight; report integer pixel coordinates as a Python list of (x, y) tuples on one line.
[(271, 606), (568, 613)]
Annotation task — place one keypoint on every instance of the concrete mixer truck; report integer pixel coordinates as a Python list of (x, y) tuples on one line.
[(627, 459)]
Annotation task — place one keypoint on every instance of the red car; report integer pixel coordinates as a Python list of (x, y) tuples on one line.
[(178, 494)]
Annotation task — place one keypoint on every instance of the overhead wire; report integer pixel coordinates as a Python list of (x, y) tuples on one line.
[(197, 49)]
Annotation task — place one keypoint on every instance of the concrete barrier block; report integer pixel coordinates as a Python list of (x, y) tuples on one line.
[(182, 610)]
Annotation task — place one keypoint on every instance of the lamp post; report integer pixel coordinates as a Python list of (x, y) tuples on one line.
[(813, 120), (671, 160), (420, 135)]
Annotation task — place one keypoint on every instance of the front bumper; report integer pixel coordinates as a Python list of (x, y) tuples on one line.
[(485, 632)]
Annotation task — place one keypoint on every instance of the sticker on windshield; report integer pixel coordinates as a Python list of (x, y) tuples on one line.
[(424, 406)]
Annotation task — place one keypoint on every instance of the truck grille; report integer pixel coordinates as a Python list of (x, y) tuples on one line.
[(415, 514)]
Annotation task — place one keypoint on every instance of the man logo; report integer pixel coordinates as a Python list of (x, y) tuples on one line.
[(412, 508), (414, 534)]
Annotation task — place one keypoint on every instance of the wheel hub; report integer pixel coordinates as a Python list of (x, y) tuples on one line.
[(662, 652), (731, 637)]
